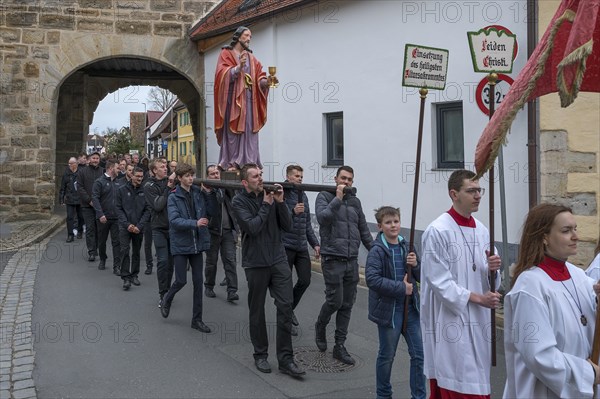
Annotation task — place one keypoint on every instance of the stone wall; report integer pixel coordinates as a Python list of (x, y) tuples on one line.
[(47, 103)]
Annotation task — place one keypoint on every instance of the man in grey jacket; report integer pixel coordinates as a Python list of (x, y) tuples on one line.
[(343, 227)]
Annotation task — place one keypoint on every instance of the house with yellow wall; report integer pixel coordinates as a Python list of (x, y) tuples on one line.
[(185, 136)]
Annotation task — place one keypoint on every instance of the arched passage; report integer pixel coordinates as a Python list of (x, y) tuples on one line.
[(81, 92)]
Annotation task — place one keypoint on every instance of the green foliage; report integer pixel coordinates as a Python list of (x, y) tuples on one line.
[(120, 141)]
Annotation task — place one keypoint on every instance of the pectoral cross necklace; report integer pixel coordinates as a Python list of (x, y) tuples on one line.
[(582, 318), (468, 246)]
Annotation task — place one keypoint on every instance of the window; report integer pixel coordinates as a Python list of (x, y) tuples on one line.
[(184, 118), (182, 148), (334, 124), (449, 133)]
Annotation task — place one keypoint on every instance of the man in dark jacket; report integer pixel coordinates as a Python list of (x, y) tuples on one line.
[(223, 235), (157, 192), (342, 227), (70, 197), (134, 214), (295, 242), (261, 217), (189, 208), (85, 180), (104, 198)]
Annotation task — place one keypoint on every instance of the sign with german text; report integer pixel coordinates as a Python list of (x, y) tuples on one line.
[(492, 50), (425, 67)]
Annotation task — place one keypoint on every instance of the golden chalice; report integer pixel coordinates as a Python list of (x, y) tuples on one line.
[(273, 81)]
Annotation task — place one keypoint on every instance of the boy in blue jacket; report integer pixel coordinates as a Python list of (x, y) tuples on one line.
[(389, 287)]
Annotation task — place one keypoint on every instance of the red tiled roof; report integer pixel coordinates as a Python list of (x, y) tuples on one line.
[(227, 16), (153, 116)]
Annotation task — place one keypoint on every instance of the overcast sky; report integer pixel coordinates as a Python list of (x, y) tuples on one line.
[(114, 109)]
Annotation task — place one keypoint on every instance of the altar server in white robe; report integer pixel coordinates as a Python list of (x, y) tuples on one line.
[(549, 314), (456, 296)]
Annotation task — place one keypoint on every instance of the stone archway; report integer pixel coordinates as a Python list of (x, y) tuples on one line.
[(81, 92), (48, 99)]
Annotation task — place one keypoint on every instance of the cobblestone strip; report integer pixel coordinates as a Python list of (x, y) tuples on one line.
[(17, 355)]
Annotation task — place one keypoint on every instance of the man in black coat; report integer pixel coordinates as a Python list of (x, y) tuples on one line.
[(134, 214), (261, 217), (104, 198), (68, 196), (223, 236), (157, 191), (296, 242), (85, 180)]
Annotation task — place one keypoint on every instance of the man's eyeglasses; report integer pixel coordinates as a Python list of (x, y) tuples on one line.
[(472, 191)]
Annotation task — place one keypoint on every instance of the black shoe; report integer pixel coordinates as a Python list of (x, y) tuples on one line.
[(79, 236), (200, 326), (70, 239), (209, 292), (102, 265), (135, 281), (232, 296), (148, 270), (294, 331), (224, 282), (160, 301), (294, 319), (292, 369), (126, 285), (91, 258), (340, 353), (321, 337), (164, 309), (262, 365), (116, 271)]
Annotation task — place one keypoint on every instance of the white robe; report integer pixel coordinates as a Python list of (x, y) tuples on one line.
[(545, 344), (456, 333), (593, 269)]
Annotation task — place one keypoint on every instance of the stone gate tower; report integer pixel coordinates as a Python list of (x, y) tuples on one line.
[(58, 59)]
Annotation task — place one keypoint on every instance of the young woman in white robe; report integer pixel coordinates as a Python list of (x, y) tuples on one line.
[(549, 313)]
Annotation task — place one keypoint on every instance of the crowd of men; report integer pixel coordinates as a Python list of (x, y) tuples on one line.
[(160, 203), (106, 196)]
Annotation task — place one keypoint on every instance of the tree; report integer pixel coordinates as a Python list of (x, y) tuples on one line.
[(160, 99), (120, 142)]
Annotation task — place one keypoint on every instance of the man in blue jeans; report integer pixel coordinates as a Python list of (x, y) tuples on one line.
[(390, 286), (157, 191)]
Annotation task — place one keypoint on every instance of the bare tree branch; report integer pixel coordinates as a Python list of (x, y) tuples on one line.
[(160, 99)]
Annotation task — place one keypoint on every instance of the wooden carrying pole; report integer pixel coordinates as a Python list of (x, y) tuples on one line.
[(270, 186), (411, 243), (492, 79)]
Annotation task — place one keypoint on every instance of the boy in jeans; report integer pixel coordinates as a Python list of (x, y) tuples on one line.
[(389, 287)]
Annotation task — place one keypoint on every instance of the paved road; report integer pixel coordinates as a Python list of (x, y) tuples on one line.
[(94, 340)]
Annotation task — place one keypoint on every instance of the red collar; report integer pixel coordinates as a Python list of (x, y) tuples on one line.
[(461, 220), (556, 269)]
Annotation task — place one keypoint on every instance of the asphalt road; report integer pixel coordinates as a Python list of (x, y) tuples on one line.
[(94, 340)]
